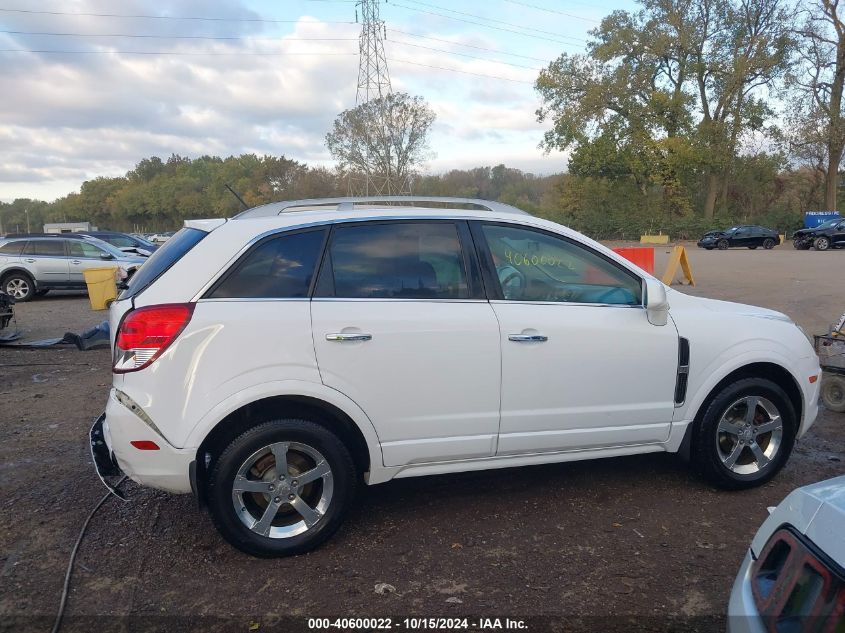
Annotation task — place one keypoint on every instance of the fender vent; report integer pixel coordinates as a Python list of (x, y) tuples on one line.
[(683, 372)]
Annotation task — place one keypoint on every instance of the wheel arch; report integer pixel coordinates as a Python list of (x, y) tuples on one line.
[(760, 369), (247, 416), (18, 269)]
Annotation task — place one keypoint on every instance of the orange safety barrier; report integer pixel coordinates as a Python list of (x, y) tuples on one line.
[(642, 257)]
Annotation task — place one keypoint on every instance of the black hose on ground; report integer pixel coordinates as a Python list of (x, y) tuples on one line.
[(58, 623)]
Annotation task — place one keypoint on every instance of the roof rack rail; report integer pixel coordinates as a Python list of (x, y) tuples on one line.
[(349, 204)]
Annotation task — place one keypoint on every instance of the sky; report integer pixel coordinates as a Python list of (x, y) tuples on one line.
[(89, 87)]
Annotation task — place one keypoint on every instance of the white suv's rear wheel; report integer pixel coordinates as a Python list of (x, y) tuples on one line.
[(281, 488), (745, 435)]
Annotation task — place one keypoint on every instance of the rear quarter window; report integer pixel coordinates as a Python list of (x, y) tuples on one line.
[(162, 260), (279, 268), (12, 249)]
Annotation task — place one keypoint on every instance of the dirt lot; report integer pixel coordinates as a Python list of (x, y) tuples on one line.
[(621, 543)]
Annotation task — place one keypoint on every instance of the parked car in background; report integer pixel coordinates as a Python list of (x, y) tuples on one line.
[(829, 234), (161, 238), (793, 575), (335, 342), (32, 265), (125, 242), (745, 236)]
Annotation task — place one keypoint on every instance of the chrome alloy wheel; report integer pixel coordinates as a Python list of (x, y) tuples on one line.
[(749, 435), (283, 489), (17, 288)]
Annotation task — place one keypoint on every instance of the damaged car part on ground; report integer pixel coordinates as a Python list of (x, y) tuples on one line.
[(352, 341)]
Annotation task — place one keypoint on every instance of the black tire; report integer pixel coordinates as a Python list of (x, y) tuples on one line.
[(708, 441), (753, 248), (799, 245), (341, 484), (722, 245), (833, 392), (41, 293), (822, 243), (20, 286), (768, 243)]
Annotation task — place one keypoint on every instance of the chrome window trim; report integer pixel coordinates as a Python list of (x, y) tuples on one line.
[(567, 303), (248, 299), (398, 299)]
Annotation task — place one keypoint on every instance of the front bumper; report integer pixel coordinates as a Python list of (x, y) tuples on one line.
[(743, 616)]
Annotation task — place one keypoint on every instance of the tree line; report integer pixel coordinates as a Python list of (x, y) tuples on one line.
[(158, 195)]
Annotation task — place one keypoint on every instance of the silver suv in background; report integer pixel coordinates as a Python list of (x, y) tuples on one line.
[(33, 265)]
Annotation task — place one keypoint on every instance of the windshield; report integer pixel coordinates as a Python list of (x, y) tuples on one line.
[(161, 260), (829, 224)]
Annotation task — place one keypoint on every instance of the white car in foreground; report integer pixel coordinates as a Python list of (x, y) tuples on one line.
[(793, 576), (272, 362)]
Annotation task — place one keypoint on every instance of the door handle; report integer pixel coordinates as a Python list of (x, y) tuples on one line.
[(74, 261), (528, 338), (30, 261), (340, 336)]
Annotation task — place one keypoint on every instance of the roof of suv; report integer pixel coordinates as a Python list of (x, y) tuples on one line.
[(343, 206)]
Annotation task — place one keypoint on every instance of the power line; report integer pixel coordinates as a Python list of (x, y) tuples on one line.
[(305, 39), (480, 48), (169, 53), (488, 26), (480, 17), (569, 15), (164, 17), (292, 39), (189, 37), (485, 59), (463, 72)]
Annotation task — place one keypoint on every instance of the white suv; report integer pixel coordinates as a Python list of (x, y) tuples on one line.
[(272, 362)]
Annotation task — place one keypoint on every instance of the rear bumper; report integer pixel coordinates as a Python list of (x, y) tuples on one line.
[(104, 462), (166, 468)]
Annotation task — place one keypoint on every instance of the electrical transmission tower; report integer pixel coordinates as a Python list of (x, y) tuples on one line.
[(373, 78), (373, 83)]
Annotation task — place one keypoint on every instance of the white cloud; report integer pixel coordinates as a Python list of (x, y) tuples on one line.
[(68, 117)]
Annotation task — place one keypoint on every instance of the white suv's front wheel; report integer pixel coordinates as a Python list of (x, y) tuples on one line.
[(281, 488), (745, 435)]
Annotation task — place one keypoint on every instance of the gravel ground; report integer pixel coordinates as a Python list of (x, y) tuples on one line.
[(628, 543)]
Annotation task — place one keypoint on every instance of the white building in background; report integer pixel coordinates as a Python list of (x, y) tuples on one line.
[(68, 227)]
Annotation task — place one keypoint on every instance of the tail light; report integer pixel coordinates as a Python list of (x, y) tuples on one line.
[(145, 333), (796, 587)]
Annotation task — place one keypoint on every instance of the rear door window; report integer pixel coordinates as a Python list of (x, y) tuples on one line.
[(45, 248), (279, 268), (397, 260)]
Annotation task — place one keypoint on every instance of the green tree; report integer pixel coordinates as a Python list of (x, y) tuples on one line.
[(818, 80), (384, 140)]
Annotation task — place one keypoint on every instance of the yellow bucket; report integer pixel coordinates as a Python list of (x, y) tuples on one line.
[(102, 286)]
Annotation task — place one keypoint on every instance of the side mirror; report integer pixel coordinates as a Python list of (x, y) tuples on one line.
[(105, 255), (656, 302)]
